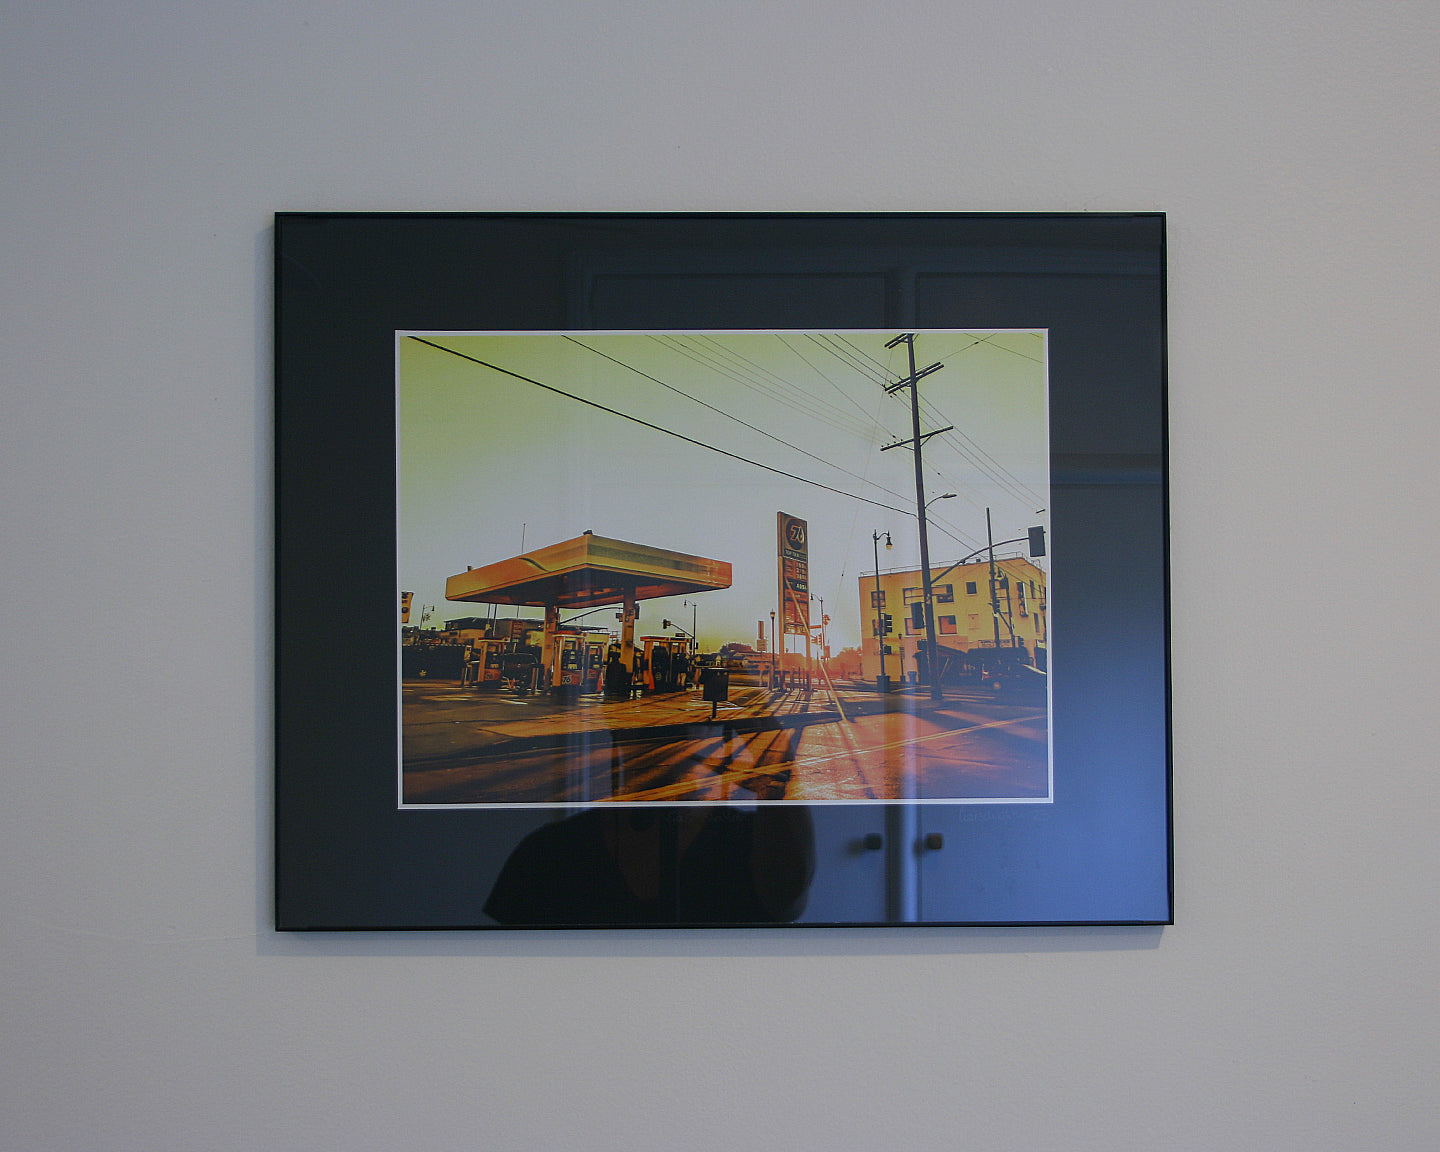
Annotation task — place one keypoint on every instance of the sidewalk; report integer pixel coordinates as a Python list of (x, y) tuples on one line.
[(443, 723)]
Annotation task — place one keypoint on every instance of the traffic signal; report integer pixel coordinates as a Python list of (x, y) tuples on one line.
[(1037, 541), (889, 624), (664, 624), (917, 615)]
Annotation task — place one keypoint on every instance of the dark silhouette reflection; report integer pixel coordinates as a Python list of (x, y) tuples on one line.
[(706, 864)]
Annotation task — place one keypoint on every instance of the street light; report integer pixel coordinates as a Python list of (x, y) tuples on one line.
[(774, 658), (882, 682), (694, 631), (947, 496)]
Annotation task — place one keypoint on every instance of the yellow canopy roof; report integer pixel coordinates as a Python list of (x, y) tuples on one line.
[(588, 571)]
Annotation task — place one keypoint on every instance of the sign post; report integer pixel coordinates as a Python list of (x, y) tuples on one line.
[(794, 563)]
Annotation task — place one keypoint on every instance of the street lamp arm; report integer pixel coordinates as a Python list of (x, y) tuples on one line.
[(590, 612), (967, 559)]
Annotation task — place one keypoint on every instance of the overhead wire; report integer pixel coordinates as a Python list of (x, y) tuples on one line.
[(732, 416), (975, 456), (710, 362), (886, 376), (978, 458), (874, 420), (881, 365), (861, 428), (653, 427), (785, 386), (848, 359)]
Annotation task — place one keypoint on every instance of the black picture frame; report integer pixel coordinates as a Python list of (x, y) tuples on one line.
[(348, 856)]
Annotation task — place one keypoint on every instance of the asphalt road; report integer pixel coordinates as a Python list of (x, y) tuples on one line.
[(462, 749)]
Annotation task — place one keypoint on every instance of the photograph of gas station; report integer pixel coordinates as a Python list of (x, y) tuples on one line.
[(736, 567)]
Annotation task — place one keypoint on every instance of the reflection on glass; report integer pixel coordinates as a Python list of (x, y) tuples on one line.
[(701, 865)]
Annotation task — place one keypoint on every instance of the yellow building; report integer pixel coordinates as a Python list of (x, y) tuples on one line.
[(970, 615)]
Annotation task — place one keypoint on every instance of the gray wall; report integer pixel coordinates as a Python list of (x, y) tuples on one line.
[(146, 1003)]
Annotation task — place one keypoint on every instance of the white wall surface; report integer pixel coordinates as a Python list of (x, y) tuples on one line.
[(146, 1003)]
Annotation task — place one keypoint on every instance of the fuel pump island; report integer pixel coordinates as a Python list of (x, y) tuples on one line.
[(587, 572)]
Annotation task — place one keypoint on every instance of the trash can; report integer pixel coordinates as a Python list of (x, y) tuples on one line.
[(715, 685)]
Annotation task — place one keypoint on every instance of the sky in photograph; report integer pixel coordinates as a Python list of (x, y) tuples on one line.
[(491, 465)]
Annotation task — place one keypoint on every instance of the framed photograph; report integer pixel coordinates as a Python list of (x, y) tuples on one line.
[(658, 570)]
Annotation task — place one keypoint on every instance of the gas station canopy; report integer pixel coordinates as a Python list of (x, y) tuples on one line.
[(589, 571)]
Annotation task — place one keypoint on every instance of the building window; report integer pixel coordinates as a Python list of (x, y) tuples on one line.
[(974, 621), (947, 625), (914, 595), (910, 629), (877, 598), (970, 588), (944, 593)]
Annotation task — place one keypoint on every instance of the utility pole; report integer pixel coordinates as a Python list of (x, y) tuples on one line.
[(913, 383), (882, 683), (994, 587)]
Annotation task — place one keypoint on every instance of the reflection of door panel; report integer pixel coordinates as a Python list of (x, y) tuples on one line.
[(1097, 852), (849, 879), (1102, 304), (675, 302)]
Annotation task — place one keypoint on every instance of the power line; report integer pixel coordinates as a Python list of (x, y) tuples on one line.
[(706, 360), (991, 342), (880, 365), (849, 360), (874, 420), (731, 416), (803, 396), (981, 460), (997, 476), (652, 427), (862, 430), (970, 451)]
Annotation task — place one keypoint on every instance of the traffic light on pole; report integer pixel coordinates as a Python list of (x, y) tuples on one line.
[(1037, 541), (889, 623), (917, 615)]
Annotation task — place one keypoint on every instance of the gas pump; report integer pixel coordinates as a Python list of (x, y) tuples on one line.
[(483, 667), (569, 676), (594, 667), (652, 645)]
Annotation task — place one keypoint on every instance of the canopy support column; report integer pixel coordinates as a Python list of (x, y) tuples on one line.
[(627, 631), (550, 676)]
